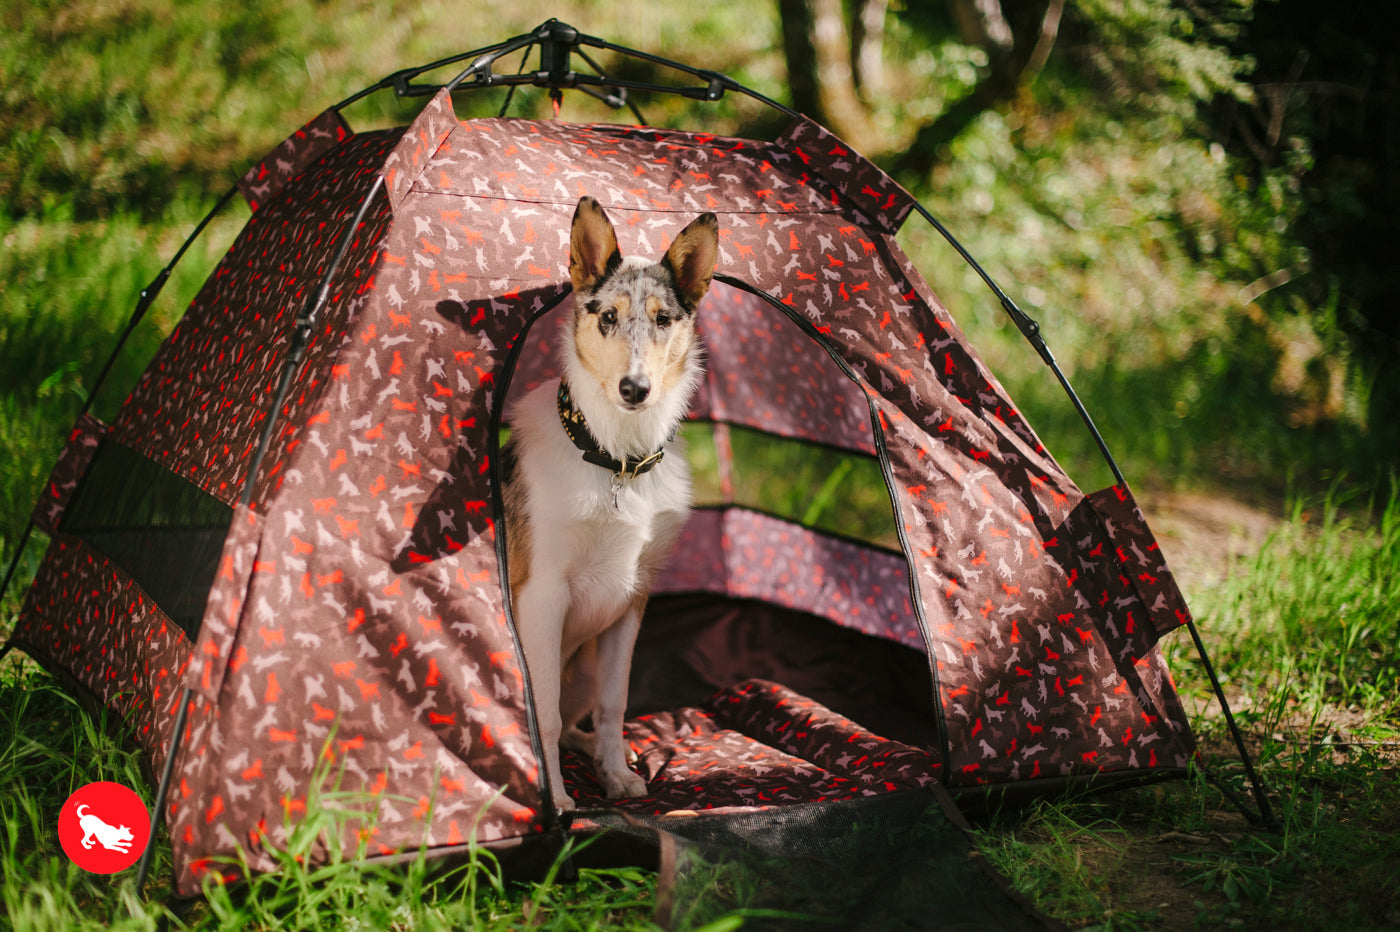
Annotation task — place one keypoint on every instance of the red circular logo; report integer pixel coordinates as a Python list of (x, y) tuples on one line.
[(103, 827)]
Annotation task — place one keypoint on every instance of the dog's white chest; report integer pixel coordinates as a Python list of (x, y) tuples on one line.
[(596, 547), (609, 561)]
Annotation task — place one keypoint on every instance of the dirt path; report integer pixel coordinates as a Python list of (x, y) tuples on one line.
[(1203, 534)]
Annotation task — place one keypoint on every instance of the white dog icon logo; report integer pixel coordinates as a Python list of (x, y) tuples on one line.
[(112, 837)]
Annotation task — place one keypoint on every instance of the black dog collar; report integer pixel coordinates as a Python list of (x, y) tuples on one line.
[(577, 428)]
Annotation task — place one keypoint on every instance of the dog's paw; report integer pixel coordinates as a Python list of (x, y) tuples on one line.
[(623, 785), (563, 802)]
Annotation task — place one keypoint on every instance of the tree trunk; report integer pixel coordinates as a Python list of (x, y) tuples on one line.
[(835, 69), (868, 48), (801, 55), (818, 48), (1016, 47)]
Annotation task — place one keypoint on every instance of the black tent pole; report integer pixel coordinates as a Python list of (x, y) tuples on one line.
[(1266, 813), (1031, 330), (150, 292), (166, 770), (301, 336), (14, 561)]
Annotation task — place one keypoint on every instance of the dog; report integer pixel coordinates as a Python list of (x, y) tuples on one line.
[(596, 485), (112, 837)]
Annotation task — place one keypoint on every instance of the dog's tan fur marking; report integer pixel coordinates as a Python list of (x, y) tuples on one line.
[(599, 354), (518, 547), (670, 359)]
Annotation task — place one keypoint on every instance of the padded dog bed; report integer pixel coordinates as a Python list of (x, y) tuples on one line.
[(789, 774), (738, 703), (754, 744)]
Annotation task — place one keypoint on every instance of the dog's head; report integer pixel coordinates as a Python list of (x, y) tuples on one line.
[(634, 321)]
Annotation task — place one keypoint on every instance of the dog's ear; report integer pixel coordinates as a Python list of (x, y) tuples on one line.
[(593, 250), (692, 256)]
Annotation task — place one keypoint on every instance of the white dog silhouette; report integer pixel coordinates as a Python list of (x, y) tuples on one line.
[(112, 837)]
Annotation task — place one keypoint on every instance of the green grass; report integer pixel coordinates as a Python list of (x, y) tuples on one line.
[(1304, 635), (50, 747), (1314, 619)]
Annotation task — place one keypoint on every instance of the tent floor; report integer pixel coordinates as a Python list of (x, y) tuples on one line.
[(743, 704)]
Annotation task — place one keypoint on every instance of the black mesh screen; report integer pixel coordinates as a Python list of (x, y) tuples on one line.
[(165, 532), (888, 862)]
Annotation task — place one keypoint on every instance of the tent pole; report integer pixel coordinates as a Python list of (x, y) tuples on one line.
[(14, 561), (149, 294), (301, 336), (1266, 813), (143, 304), (166, 771), (1030, 329), (560, 39)]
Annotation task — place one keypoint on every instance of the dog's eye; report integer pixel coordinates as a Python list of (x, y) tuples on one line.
[(608, 317), (662, 320)]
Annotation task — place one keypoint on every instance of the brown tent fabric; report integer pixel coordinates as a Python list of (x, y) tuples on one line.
[(353, 618)]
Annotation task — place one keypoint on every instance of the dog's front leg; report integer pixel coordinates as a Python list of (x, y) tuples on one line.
[(614, 665), (539, 613)]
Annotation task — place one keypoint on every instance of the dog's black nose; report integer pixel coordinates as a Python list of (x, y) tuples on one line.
[(634, 391)]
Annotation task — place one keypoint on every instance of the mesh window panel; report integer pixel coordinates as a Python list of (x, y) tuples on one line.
[(897, 861), (164, 531)]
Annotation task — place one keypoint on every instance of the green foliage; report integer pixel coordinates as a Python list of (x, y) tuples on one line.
[(1136, 248), (114, 105), (1160, 55), (1312, 149), (832, 490)]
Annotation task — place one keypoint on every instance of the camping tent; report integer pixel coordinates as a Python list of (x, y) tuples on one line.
[(285, 554)]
